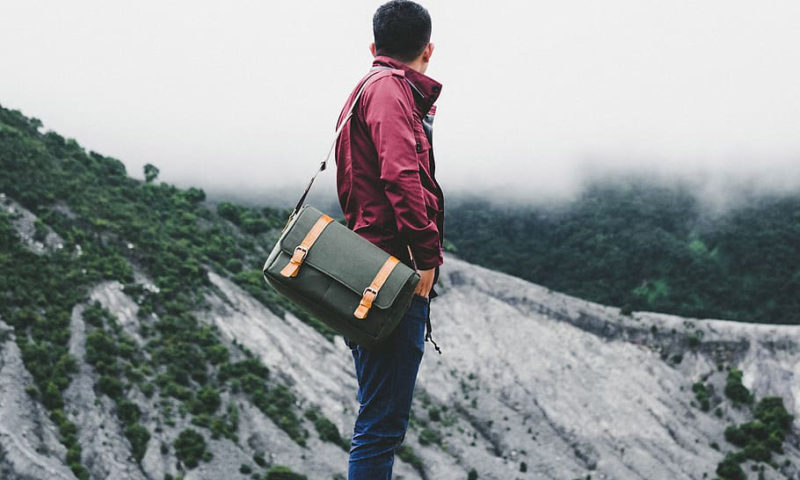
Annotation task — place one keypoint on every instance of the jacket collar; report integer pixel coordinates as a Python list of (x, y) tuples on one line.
[(426, 89)]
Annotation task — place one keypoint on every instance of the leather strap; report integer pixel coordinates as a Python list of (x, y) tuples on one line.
[(300, 251), (373, 71), (372, 291)]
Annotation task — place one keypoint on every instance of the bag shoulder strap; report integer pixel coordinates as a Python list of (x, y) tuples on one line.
[(373, 71)]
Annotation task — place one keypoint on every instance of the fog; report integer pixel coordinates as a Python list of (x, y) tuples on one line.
[(539, 98)]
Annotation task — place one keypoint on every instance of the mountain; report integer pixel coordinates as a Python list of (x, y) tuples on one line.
[(643, 245), (138, 340)]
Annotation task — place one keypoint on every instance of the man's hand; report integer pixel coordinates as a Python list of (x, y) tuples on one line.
[(425, 282)]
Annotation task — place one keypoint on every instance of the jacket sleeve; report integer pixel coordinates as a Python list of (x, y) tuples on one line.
[(389, 117)]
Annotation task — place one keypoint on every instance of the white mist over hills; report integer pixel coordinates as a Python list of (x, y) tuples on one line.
[(538, 98)]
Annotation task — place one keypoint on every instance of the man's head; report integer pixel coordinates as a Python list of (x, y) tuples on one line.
[(402, 31)]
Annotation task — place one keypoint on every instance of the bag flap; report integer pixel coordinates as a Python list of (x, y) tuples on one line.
[(345, 256)]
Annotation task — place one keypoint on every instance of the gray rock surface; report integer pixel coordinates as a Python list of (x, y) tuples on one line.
[(106, 451), (590, 383), (24, 222), (29, 446)]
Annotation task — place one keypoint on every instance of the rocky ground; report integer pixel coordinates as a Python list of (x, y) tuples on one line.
[(532, 384)]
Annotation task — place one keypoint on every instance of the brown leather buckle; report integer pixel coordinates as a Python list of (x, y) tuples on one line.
[(370, 289), (300, 251), (366, 302), (302, 257), (371, 292)]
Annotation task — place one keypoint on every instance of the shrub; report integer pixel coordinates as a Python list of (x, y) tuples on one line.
[(52, 396), (207, 401), (702, 394), (216, 354), (757, 452), (234, 265), (138, 436), (770, 411), (735, 436), (79, 471), (190, 447), (434, 414), (239, 369), (128, 412), (74, 454), (280, 472), (695, 339), (329, 433), (150, 172), (311, 414), (229, 212), (111, 386), (195, 195), (729, 468), (735, 390), (147, 390), (757, 438), (407, 454), (254, 226), (428, 436), (278, 404), (39, 230)]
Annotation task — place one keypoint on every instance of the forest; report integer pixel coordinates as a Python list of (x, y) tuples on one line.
[(639, 245)]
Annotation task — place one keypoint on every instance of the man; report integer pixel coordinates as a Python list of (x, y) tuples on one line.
[(388, 193)]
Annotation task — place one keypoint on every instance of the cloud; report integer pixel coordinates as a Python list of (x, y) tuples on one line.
[(538, 97)]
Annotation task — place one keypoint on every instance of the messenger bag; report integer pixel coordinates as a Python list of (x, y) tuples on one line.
[(336, 275)]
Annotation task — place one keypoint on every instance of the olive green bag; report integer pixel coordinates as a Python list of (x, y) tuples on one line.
[(337, 276)]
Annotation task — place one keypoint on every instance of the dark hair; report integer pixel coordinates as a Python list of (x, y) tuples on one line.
[(402, 29)]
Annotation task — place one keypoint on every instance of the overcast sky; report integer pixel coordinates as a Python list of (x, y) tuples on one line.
[(537, 95)]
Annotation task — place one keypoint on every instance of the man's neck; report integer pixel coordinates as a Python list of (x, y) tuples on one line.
[(417, 65)]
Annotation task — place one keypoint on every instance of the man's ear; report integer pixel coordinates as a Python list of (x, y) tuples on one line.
[(372, 48), (427, 52)]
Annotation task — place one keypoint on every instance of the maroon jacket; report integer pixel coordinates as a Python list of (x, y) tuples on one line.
[(385, 167)]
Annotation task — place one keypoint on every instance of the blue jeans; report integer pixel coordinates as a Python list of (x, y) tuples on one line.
[(386, 379)]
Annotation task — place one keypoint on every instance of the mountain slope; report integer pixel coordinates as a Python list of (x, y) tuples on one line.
[(568, 387), (138, 340), (643, 245), (591, 384)]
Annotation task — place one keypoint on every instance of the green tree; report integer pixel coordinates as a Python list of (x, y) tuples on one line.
[(150, 172), (207, 401), (138, 436), (280, 472), (329, 433), (735, 390), (729, 468), (190, 447)]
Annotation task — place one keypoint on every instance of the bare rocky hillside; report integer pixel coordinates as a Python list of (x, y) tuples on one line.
[(532, 384)]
